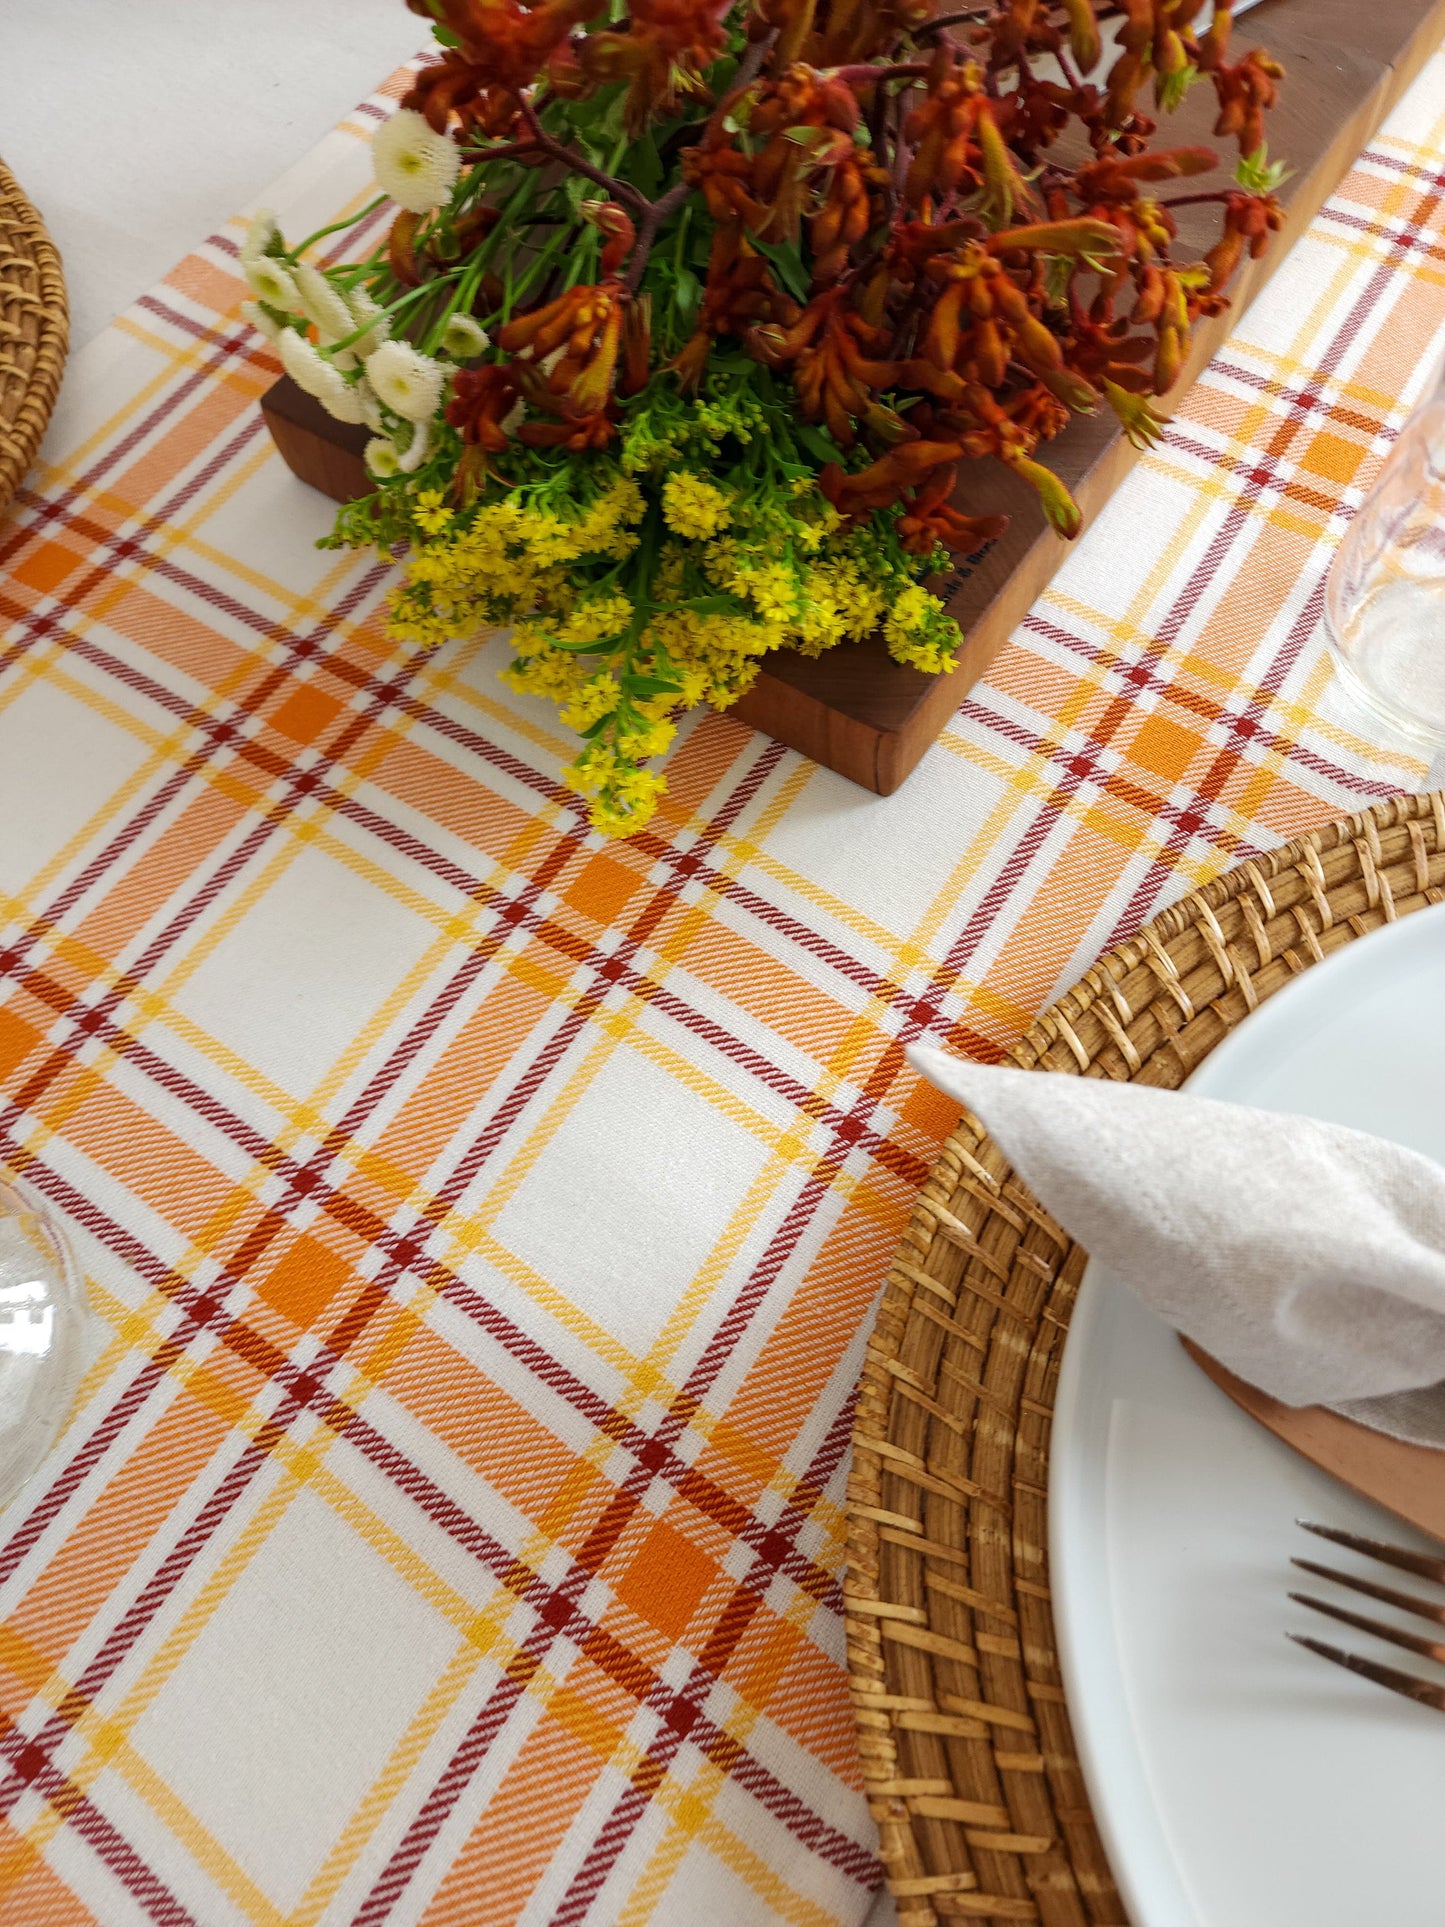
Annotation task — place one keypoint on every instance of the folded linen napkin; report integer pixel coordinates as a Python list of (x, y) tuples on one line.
[(1308, 1259)]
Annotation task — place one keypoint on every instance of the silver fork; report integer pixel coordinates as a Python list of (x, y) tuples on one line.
[(1423, 1566)]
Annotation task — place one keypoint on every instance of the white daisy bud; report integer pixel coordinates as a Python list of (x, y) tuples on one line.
[(417, 449), (303, 361), (322, 303), (408, 383), (370, 406), (261, 236), (262, 322), (380, 458), (271, 281), (311, 371), (364, 309), (462, 338), (341, 400), (415, 165)]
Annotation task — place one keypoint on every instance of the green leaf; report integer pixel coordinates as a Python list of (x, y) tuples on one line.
[(612, 120), (603, 646), (736, 120), (686, 295), (1057, 274), (717, 605), (650, 686), (644, 165), (1171, 88), (1141, 425), (818, 445), (1257, 174), (788, 262)]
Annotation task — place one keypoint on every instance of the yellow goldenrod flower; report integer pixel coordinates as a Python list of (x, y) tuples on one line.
[(693, 507), (918, 632), (652, 741), (593, 700), (431, 512), (773, 590), (728, 573), (607, 615)]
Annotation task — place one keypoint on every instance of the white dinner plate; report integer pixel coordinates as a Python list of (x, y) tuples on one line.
[(1238, 1780)]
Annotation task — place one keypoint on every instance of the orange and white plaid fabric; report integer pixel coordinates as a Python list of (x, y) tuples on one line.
[(483, 1225)]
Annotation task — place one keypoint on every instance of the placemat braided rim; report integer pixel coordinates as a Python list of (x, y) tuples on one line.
[(968, 1756), (34, 333)]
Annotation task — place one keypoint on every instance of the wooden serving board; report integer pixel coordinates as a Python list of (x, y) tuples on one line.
[(854, 709)]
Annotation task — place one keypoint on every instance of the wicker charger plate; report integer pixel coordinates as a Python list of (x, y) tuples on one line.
[(34, 333), (968, 1757)]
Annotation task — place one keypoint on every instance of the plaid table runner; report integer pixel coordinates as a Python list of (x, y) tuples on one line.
[(484, 1224)]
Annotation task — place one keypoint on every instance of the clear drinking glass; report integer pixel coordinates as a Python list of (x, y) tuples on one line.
[(43, 1317), (1385, 593)]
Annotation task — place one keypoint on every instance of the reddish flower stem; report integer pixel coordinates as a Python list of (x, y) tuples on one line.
[(652, 220), (508, 151), (945, 20), (752, 63), (866, 74), (620, 191)]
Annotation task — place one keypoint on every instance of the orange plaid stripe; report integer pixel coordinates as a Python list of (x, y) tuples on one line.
[(483, 1224)]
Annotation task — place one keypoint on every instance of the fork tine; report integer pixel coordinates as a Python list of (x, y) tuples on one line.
[(1422, 1690), (1387, 1595), (1397, 1636), (1420, 1563)]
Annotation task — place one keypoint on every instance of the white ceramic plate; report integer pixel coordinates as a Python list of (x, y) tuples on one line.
[(1238, 1780)]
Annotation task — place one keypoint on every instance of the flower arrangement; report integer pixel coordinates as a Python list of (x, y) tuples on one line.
[(690, 310)]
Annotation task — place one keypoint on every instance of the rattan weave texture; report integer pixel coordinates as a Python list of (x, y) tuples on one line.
[(34, 333), (967, 1752)]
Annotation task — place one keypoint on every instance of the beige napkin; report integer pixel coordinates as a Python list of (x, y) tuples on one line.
[(1308, 1259)]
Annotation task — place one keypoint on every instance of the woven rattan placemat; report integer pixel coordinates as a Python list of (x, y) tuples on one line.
[(34, 333), (967, 1751)]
